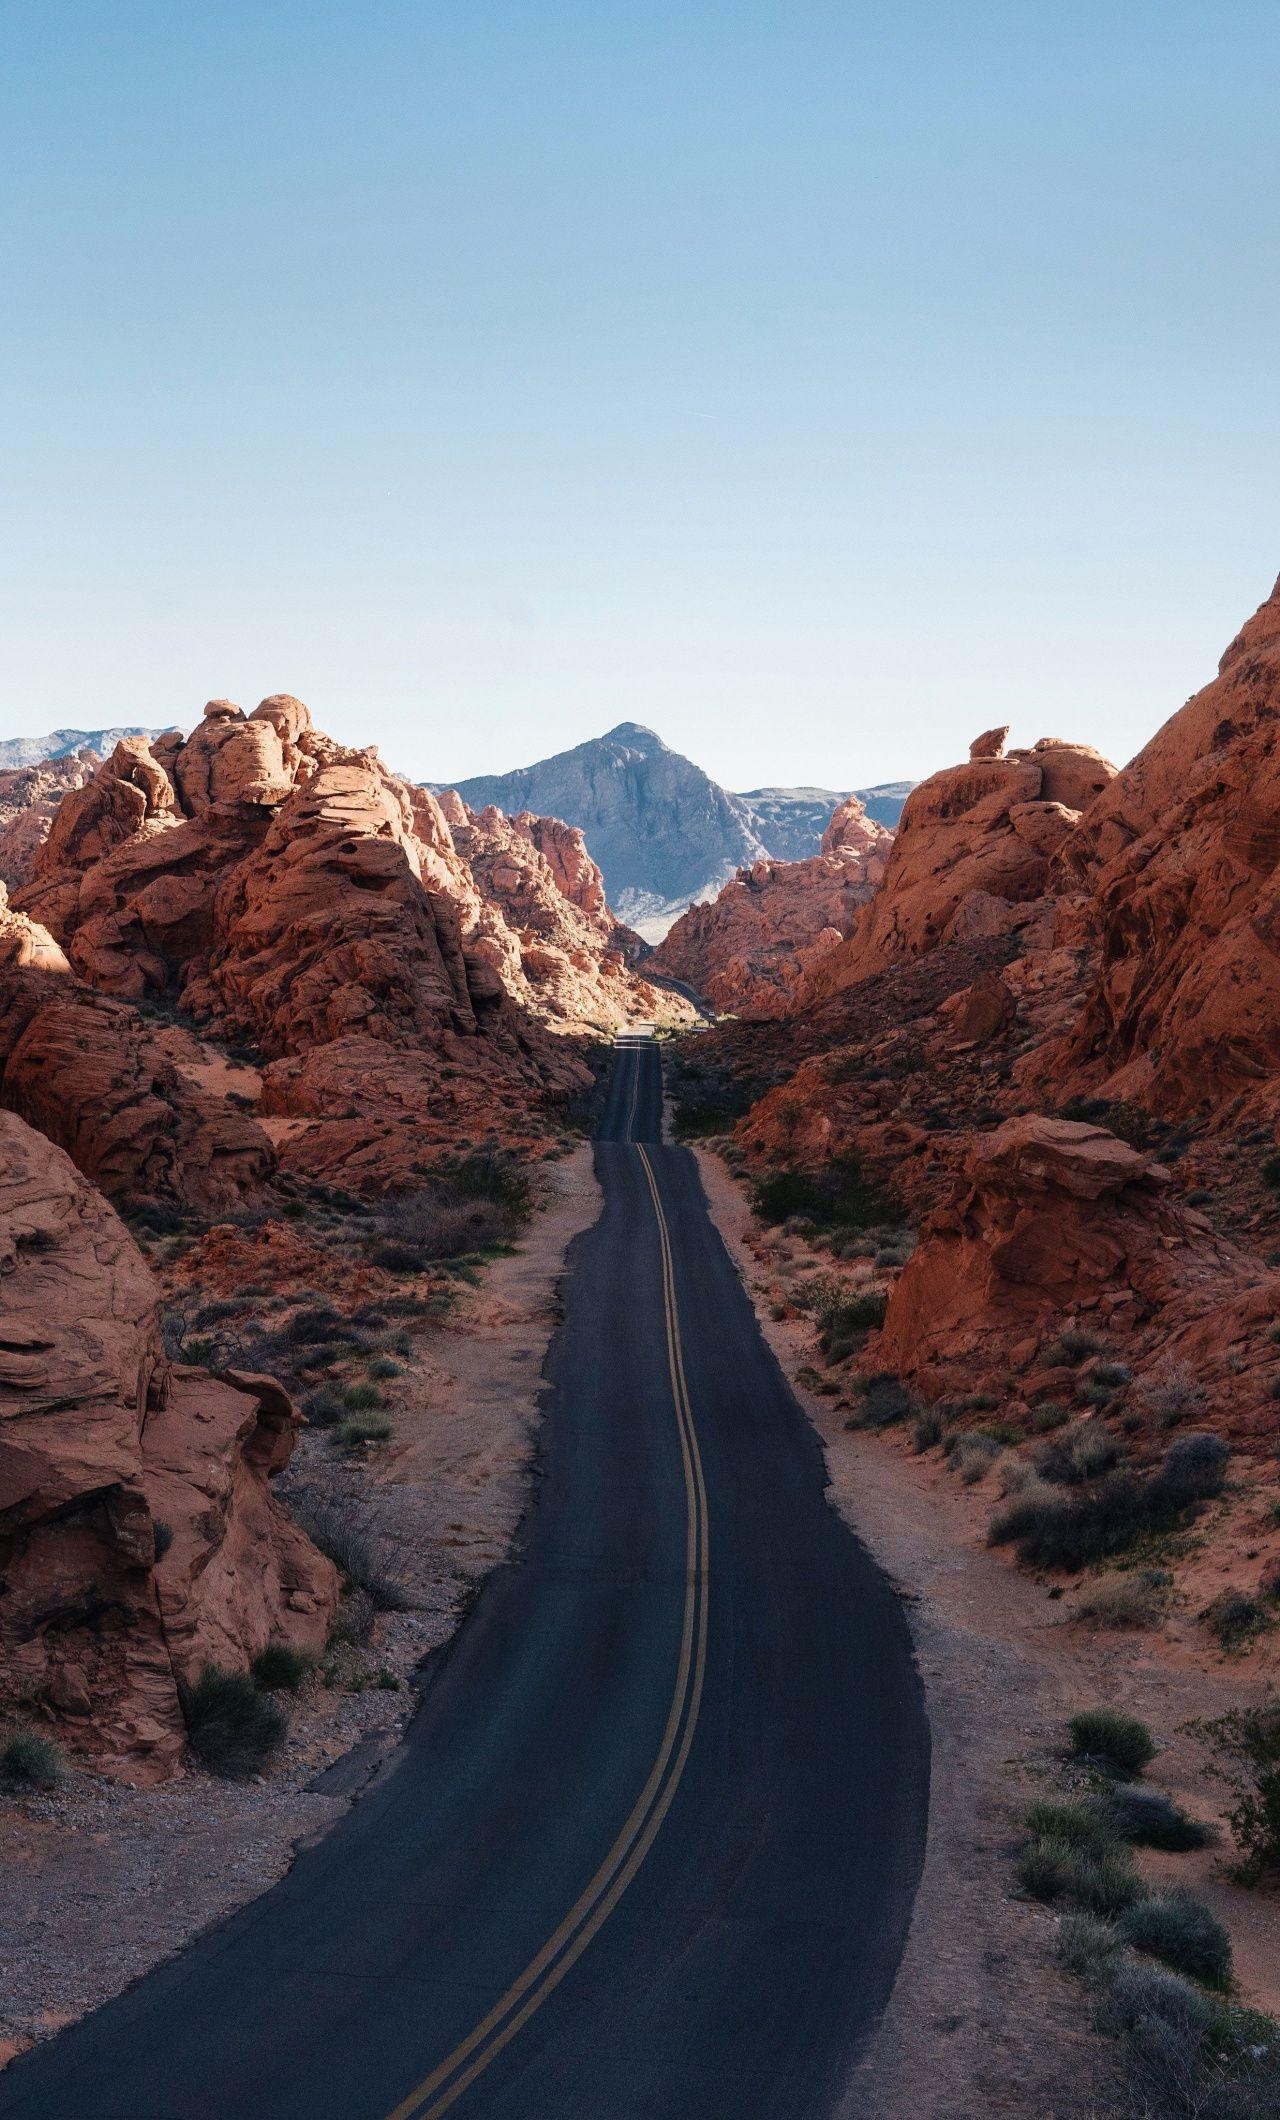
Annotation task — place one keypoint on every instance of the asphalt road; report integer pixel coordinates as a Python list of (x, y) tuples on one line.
[(649, 1850)]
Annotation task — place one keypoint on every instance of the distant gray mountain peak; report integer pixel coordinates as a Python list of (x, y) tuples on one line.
[(663, 831)]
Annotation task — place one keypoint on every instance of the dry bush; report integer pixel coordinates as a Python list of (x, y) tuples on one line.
[(1119, 1601)]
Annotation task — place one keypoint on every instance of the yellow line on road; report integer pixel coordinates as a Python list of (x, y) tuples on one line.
[(446, 2083)]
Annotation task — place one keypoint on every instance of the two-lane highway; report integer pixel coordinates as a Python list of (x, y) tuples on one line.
[(649, 1850)]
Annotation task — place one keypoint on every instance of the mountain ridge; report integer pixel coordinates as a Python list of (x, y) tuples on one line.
[(665, 833)]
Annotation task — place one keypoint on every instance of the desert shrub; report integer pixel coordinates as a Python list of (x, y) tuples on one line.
[(885, 1399), (280, 1669), (1172, 1396), (362, 1398), (848, 1323), (30, 1761), (1086, 1946), (316, 1321), (1270, 1170), (1101, 1881), (927, 1430), (1119, 1601), (1194, 1469), (1043, 1868), (1074, 1822), (384, 1367), (837, 1197), (323, 1406), (1181, 1932), (359, 1429), (478, 1204), (1234, 1616), (1128, 1122), (1047, 1416), (974, 1455), (1150, 1819), (1076, 1344), (357, 1542), (1138, 1993), (1078, 1454), (200, 1352), (1115, 1375), (232, 1728), (1124, 1743), (397, 1258), (1106, 1518), (1247, 1745), (353, 1620), (1104, 1885)]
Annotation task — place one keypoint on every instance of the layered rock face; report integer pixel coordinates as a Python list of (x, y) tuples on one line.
[(101, 1439), (749, 950), (1181, 859), (1052, 1222), (972, 858), (29, 800)]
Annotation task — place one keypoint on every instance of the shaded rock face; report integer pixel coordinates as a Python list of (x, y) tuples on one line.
[(1051, 1220), (100, 1439), (29, 799), (972, 858), (747, 951), (1181, 858)]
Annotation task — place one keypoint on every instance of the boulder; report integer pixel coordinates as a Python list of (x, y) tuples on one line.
[(1051, 1219), (101, 1439)]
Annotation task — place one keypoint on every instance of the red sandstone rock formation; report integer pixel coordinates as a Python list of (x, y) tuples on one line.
[(1181, 854), (1053, 1221), (748, 951), (294, 893), (100, 1439), (971, 859), (573, 958), (29, 800), (96, 1079)]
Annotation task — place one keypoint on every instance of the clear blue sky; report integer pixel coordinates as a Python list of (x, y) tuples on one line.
[(818, 382)]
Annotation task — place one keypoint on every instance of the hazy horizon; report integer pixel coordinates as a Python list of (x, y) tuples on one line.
[(816, 385)]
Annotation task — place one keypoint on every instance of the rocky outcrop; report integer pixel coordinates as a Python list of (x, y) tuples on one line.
[(749, 950), (94, 1077), (573, 959), (29, 800), (101, 1441), (1180, 857), (1055, 1223), (290, 892), (972, 859)]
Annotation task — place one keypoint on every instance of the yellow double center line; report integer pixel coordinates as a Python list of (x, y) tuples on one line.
[(438, 2091)]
